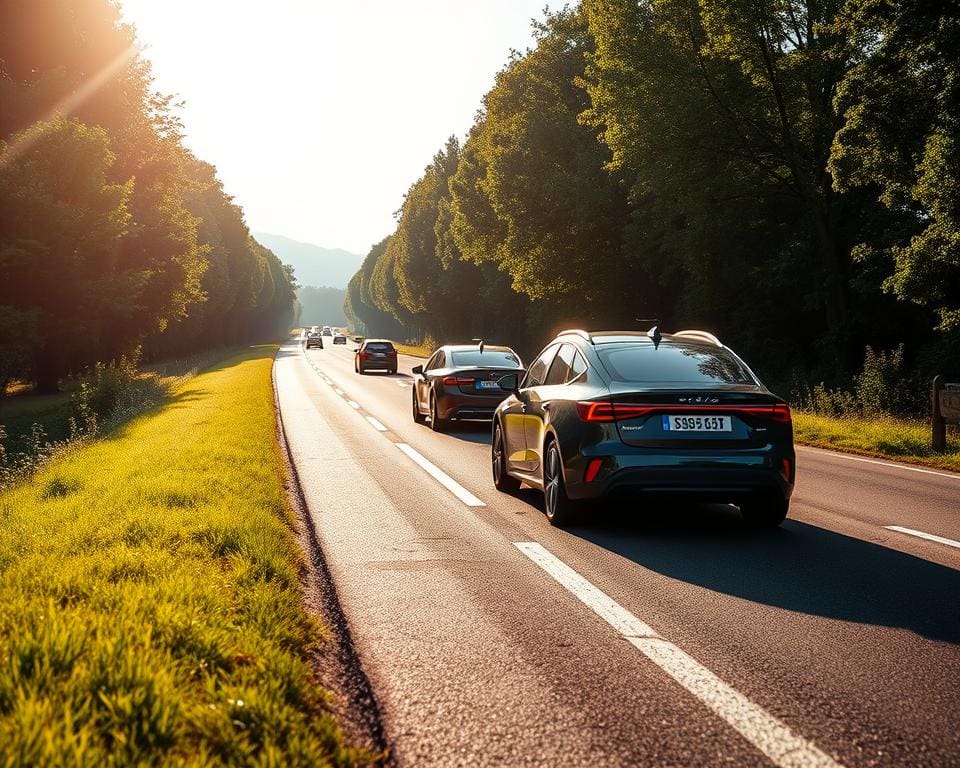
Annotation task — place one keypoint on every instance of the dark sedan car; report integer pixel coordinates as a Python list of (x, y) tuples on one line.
[(461, 382), (627, 413), (313, 339), (375, 355)]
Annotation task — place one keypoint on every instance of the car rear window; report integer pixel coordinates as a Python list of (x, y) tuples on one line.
[(379, 347), (490, 358), (673, 364)]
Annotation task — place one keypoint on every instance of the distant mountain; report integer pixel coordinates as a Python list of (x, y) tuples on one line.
[(313, 265)]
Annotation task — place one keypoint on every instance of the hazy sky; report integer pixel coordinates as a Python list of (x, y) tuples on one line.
[(320, 114)]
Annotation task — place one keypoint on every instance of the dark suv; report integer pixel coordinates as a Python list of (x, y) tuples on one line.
[(644, 414), (375, 355)]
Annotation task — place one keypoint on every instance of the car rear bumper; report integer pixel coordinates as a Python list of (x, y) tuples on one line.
[(729, 478), (379, 365), (465, 407)]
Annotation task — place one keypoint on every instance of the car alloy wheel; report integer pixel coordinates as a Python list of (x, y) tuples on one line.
[(560, 510), (502, 481)]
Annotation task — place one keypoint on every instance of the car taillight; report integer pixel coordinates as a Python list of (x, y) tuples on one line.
[(589, 410), (457, 381), (778, 412), (601, 411)]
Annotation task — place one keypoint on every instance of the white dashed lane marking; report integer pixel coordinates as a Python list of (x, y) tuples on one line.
[(376, 424), (922, 535), (441, 477), (756, 725)]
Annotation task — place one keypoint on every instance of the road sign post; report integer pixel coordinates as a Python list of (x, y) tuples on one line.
[(945, 409)]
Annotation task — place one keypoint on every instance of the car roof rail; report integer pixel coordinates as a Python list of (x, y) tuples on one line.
[(704, 335), (577, 332)]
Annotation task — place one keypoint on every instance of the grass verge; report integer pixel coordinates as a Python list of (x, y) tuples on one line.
[(151, 596), (886, 437), (423, 350)]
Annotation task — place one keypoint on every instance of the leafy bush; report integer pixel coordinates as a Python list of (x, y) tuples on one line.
[(102, 398), (882, 388)]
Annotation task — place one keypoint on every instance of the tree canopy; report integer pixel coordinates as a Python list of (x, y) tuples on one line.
[(721, 163), (113, 235)]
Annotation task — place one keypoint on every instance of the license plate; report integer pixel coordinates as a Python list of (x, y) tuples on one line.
[(487, 385), (697, 424)]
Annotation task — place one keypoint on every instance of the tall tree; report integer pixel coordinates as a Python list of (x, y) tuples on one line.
[(909, 69)]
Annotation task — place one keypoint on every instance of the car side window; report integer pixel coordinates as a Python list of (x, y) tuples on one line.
[(538, 371), (440, 361), (431, 363), (560, 369), (577, 367)]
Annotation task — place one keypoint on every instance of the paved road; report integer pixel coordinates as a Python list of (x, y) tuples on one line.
[(654, 636)]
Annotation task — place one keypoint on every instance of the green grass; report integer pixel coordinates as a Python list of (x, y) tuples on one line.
[(885, 437), (151, 598)]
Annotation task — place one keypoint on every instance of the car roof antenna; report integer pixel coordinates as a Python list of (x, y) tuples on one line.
[(654, 332), (480, 342)]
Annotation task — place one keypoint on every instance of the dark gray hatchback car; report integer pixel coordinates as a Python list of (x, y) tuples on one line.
[(625, 413)]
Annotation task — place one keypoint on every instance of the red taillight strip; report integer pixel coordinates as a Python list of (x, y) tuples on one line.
[(603, 411), (458, 381)]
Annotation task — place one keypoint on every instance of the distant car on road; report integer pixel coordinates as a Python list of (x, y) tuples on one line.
[(314, 339), (339, 338), (460, 381), (644, 415), (375, 355), (326, 331)]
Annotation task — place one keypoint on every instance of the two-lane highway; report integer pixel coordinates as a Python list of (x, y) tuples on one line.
[(654, 635)]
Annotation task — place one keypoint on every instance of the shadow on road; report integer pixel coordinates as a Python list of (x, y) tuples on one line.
[(798, 567), (470, 431)]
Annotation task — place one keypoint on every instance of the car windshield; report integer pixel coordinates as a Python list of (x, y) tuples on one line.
[(673, 364), (490, 358), (379, 347)]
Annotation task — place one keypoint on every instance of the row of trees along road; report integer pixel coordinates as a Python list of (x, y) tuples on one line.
[(112, 234), (784, 173)]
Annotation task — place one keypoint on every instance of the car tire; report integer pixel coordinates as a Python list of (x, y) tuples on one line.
[(561, 511), (502, 480), (436, 423), (393, 371), (362, 371), (765, 511), (418, 417)]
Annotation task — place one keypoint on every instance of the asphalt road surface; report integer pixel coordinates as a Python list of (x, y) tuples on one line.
[(653, 636)]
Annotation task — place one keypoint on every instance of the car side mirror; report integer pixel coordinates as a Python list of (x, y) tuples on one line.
[(417, 369), (509, 383)]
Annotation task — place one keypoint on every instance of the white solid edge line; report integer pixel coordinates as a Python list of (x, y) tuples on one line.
[(890, 464), (922, 535), (354, 404), (403, 383), (441, 477), (756, 725), (376, 424)]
